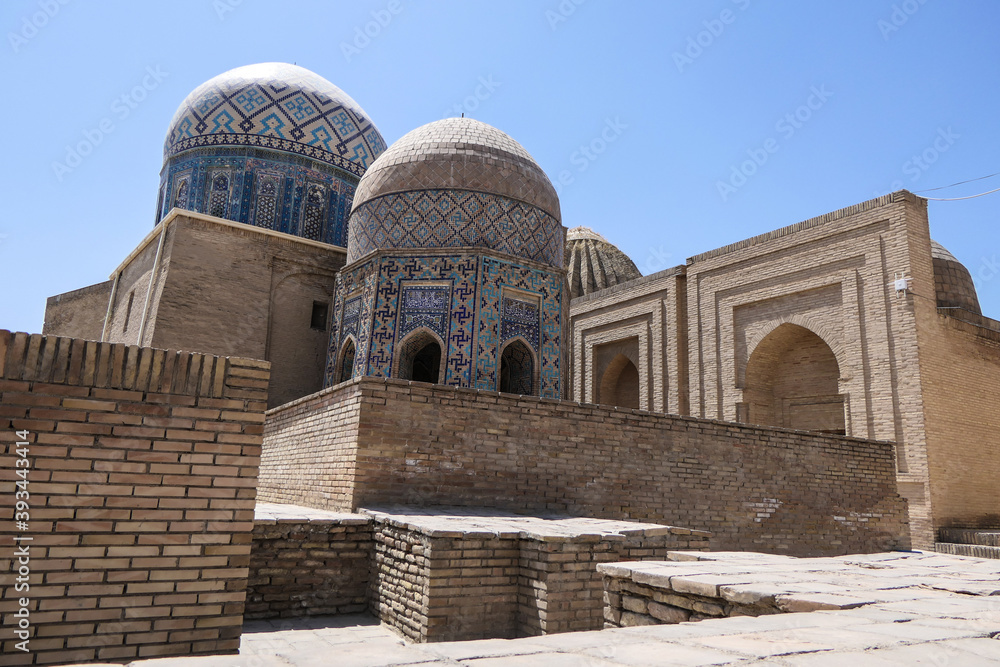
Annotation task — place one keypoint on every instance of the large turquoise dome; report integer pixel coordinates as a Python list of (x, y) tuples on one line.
[(271, 145), (279, 106)]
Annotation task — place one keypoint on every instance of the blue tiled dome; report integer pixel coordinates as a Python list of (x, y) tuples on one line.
[(277, 106), (271, 145)]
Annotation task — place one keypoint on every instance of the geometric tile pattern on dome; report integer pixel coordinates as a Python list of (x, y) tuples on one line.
[(471, 287), (461, 154), (277, 106), (455, 218), (268, 189)]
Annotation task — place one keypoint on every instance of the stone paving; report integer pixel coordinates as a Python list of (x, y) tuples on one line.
[(943, 613), (485, 522)]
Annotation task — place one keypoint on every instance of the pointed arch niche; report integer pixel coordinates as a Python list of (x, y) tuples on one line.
[(792, 381), (420, 357)]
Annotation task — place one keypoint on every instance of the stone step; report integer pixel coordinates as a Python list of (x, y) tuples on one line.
[(979, 536), (975, 550)]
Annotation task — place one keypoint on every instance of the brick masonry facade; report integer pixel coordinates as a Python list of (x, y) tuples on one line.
[(836, 349), (142, 473), (370, 442)]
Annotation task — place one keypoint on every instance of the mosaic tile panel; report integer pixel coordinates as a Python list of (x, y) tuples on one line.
[(266, 189), (496, 274), (424, 306), (351, 316), (474, 330), (454, 219), (461, 272), (519, 318), (277, 106)]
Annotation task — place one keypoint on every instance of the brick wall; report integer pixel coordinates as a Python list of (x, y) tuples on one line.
[(78, 314), (699, 325), (309, 567), (142, 473), (759, 489), (960, 368), (441, 576), (310, 457)]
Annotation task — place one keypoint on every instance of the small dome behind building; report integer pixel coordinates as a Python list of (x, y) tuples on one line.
[(593, 263), (952, 281)]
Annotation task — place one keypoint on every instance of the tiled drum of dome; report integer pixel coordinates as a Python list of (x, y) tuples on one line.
[(268, 189), (497, 274), (461, 272), (475, 329), (455, 219)]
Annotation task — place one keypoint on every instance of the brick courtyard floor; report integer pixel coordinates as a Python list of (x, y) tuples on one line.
[(951, 617)]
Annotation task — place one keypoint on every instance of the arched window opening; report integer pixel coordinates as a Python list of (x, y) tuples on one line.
[(420, 358), (314, 214), (219, 197), (347, 362), (620, 383), (517, 370), (267, 202), (792, 381), (181, 198)]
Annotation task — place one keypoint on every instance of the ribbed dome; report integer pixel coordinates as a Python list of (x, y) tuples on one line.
[(593, 263), (459, 153), (276, 106), (952, 281)]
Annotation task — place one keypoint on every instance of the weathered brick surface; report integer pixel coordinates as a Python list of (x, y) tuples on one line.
[(220, 288), (960, 369), (766, 489), (140, 517), (309, 568), (878, 365), (79, 314), (455, 582)]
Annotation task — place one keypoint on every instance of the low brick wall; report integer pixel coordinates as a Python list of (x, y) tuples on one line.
[(141, 467), (309, 567), (455, 577), (372, 442)]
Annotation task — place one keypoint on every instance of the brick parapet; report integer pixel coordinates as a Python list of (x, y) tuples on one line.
[(753, 487), (142, 472)]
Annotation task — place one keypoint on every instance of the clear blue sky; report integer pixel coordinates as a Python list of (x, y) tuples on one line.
[(670, 97)]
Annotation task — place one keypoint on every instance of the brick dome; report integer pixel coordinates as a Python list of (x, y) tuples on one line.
[(457, 183), (952, 281), (459, 153), (593, 263)]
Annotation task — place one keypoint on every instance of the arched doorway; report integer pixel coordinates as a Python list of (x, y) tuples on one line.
[(420, 358), (620, 383), (792, 381), (517, 370), (347, 361)]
